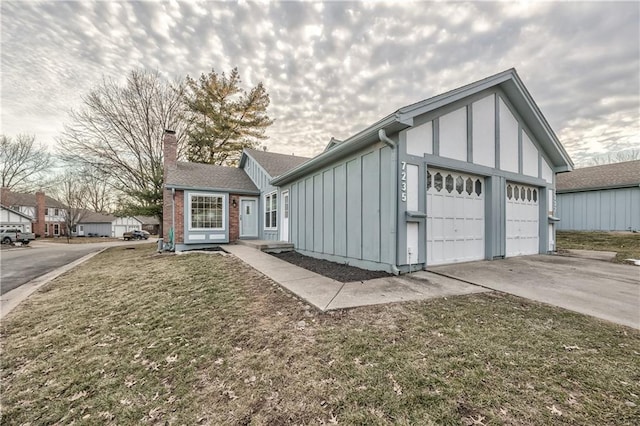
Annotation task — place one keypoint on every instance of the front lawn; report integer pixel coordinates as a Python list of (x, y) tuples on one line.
[(625, 244), (136, 337)]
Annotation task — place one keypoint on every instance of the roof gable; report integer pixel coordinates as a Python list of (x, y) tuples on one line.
[(273, 163), (208, 176), (12, 211), (94, 217), (616, 175), (508, 81)]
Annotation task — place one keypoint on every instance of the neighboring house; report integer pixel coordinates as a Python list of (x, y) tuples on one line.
[(466, 175), (149, 224), (600, 198), (105, 225), (46, 213), (95, 224), (11, 219)]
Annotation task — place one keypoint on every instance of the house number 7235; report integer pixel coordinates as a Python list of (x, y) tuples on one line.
[(403, 182)]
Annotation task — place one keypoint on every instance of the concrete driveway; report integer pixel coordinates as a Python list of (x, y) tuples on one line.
[(601, 289)]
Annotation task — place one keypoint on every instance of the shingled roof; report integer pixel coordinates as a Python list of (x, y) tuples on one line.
[(273, 163), (93, 217), (29, 200), (207, 176), (617, 175)]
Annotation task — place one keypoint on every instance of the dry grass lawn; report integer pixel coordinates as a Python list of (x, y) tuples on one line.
[(625, 244), (79, 240), (136, 337)]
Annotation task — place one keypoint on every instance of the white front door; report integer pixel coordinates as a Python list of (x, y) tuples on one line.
[(80, 230), (523, 216), (455, 217), (284, 217), (248, 217)]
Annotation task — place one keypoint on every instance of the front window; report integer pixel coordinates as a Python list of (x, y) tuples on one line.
[(56, 212), (46, 212), (206, 211), (270, 211), (56, 229)]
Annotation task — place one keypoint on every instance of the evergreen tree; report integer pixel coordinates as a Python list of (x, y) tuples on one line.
[(224, 117)]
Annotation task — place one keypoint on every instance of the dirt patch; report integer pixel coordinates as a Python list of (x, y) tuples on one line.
[(337, 271)]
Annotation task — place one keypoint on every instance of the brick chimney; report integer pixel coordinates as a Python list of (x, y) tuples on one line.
[(4, 196), (38, 225), (169, 151)]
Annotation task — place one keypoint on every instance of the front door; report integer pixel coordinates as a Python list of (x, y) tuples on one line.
[(80, 230), (284, 219), (248, 217)]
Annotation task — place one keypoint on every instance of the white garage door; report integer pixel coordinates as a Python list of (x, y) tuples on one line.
[(523, 215), (119, 230), (455, 217)]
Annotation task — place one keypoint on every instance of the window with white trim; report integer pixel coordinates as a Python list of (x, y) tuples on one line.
[(206, 211), (271, 211), (56, 229)]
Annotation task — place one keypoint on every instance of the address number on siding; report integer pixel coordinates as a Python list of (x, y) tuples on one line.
[(403, 182)]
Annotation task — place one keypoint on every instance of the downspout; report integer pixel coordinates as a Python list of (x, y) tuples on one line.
[(391, 144), (384, 138), (173, 220)]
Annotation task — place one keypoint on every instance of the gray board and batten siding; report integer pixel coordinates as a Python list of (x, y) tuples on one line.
[(261, 179), (262, 167), (345, 212), (363, 202), (616, 209)]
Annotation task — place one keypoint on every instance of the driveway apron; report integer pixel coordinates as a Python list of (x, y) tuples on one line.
[(604, 290)]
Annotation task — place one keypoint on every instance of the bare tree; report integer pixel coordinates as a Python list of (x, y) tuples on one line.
[(119, 133), (100, 194), (618, 157), (72, 192), (23, 163)]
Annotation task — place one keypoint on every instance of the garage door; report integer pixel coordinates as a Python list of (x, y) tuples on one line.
[(455, 217), (523, 215), (119, 230)]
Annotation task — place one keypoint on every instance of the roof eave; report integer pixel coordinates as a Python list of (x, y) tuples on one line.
[(357, 141), (598, 188), (211, 188)]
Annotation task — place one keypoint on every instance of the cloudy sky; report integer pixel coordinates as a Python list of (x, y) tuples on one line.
[(333, 68)]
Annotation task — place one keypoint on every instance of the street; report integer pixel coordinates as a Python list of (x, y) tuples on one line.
[(20, 265)]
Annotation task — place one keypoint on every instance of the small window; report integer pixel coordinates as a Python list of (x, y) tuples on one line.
[(56, 212), (478, 187), (428, 180), (469, 185), (449, 183), (528, 194), (516, 193), (46, 212), (535, 196), (270, 210), (437, 182), (459, 185), (248, 210), (509, 192)]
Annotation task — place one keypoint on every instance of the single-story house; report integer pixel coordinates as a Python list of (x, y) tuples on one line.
[(465, 175), (600, 198), (11, 219), (149, 223), (105, 225), (47, 214)]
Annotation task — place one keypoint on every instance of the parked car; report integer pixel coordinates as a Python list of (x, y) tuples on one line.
[(136, 235), (10, 236)]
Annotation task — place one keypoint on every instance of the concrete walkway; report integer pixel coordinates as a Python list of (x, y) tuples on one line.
[(327, 294)]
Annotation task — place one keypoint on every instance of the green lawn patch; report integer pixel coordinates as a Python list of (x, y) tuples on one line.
[(132, 336), (625, 244)]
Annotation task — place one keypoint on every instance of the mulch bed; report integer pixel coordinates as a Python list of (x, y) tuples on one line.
[(337, 271)]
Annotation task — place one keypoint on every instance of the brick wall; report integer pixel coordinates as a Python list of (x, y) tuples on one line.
[(166, 216), (234, 218), (38, 224)]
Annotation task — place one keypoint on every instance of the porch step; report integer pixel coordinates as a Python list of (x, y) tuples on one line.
[(267, 246)]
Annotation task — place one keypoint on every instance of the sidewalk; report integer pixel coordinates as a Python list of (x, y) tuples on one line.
[(327, 294)]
